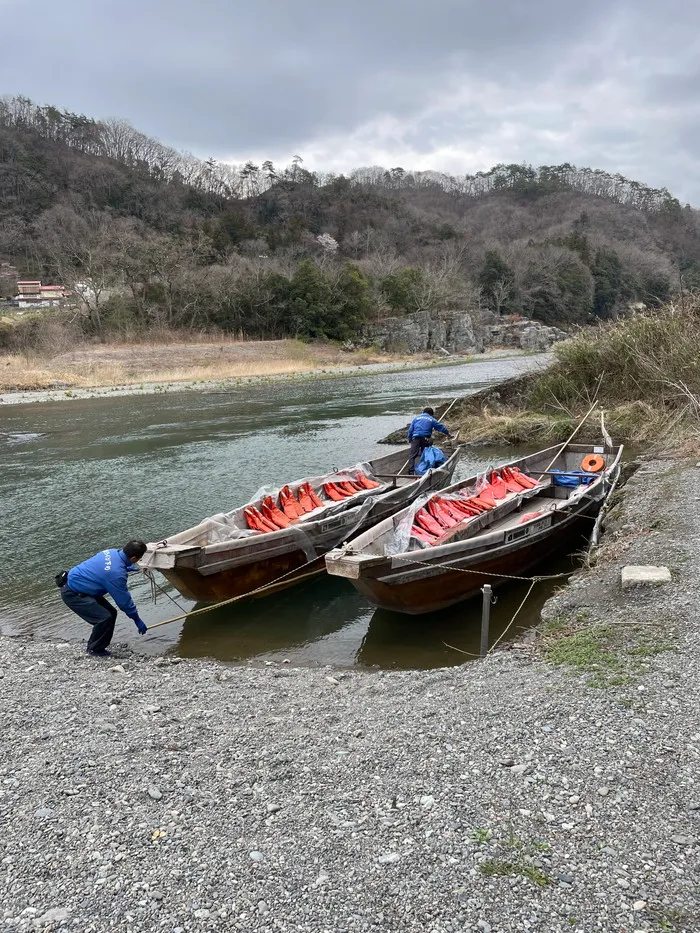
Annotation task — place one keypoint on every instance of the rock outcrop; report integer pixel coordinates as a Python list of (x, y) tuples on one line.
[(459, 332)]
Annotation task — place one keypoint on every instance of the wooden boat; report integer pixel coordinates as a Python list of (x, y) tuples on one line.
[(222, 556), (396, 570)]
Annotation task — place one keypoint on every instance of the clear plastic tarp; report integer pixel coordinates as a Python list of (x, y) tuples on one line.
[(232, 526)]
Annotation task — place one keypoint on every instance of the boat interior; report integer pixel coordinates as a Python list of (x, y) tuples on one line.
[(555, 487), (227, 526)]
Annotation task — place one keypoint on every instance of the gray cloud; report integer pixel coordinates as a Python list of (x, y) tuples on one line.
[(451, 84)]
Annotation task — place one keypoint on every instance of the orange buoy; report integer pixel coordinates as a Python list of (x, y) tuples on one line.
[(593, 463)]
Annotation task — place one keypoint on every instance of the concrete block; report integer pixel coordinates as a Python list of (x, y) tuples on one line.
[(644, 576)]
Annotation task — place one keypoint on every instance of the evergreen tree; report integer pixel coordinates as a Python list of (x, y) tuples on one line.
[(497, 283)]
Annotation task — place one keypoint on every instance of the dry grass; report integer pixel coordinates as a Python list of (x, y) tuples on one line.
[(644, 371), (155, 362)]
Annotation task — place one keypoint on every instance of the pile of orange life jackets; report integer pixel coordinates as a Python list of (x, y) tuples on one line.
[(438, 515), (343, 489), (275, 515)]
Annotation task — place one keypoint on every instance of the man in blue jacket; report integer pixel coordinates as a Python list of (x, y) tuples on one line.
[(419, 433), (88, 583)]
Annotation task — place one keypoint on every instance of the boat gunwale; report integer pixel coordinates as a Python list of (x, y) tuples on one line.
[(293, 534), (374, 563)]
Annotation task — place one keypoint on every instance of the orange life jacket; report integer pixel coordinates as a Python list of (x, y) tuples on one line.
[(256, 521), (426, 521), (454, 511), (334, 493), (498, 487), (366, 481), (512, 485), (527, 481), (309, 490), (272, 513), (305, 499), (529, 517), (290, 506), (486, 495), (439, 512), (422, 535)]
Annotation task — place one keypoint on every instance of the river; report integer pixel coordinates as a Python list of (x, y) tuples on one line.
[(80, 475)]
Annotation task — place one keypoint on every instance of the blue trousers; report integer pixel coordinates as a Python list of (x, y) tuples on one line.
[(97, 612)]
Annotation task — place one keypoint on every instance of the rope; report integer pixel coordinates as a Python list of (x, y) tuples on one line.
[(156, 586), (505, 631), (517, 611), (485, 573), (233, 599)]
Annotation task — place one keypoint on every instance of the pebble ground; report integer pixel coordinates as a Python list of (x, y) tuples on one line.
[(506, 795)]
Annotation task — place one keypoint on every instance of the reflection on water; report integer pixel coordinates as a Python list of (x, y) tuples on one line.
[(326, 621), (80, 475)]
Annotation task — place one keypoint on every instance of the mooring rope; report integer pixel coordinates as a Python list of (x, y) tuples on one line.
[(505, 631), (484, 573), (234, 599)]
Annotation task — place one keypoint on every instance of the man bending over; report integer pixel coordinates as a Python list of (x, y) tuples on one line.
[(85, 586)]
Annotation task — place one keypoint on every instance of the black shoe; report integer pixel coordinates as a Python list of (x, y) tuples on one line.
[(100, 653)]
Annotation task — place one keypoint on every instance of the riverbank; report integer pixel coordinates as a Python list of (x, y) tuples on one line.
[(547, 789), (92, 366), (643, 370), (248, 374)]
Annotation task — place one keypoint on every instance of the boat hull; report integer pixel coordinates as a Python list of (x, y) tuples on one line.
[(387, 566), (274, 574), (423, 589)]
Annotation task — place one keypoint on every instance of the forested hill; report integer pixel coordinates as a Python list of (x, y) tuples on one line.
[(165, 239)]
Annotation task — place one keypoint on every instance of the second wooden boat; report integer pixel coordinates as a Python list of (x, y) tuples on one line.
[(446, 546)]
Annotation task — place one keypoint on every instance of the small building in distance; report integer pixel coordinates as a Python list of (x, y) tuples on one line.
[(32, 294)]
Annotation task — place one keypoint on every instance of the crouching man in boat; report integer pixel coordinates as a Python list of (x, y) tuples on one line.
[(84, 587), (420, 432)]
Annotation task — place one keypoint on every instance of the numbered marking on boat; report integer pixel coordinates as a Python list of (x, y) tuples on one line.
[(338, 522), (517, 533)]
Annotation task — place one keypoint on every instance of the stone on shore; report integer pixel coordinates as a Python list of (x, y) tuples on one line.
[(632, 576)]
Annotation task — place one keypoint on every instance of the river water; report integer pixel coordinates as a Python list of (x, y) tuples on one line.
[(80, 475)]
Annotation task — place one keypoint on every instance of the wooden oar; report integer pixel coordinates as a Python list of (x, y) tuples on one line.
[(449, 407), (569, 439)]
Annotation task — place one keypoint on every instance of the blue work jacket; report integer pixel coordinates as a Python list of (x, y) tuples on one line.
[(104, 573), (424, 425)]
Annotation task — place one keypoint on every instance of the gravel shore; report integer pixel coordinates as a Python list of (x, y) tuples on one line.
[(510, 795)]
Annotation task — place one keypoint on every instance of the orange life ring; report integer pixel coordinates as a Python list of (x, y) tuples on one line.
[(593, 463)]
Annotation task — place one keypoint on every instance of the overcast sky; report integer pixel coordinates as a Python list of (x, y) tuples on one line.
[(452, 85)]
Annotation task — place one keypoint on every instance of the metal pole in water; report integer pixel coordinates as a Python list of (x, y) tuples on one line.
[(485, 617)]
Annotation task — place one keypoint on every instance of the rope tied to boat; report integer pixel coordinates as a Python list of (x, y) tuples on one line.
[(505, 630), (538, 578), (233, 599)]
